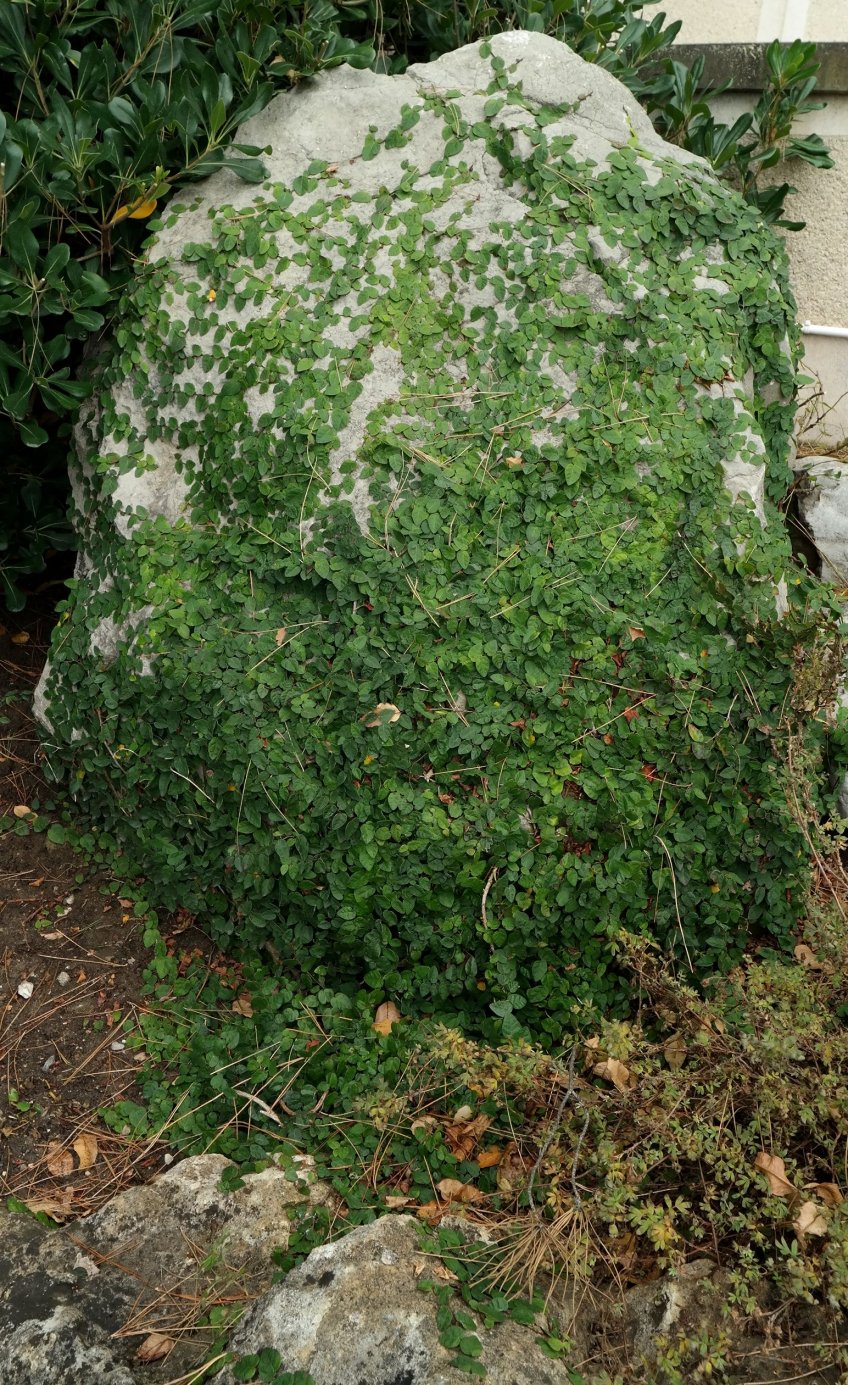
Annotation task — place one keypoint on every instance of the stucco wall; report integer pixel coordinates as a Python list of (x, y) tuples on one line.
[(759, 21), (731, 34)]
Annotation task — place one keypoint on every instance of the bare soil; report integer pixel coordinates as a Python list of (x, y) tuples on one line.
[(71, 974)]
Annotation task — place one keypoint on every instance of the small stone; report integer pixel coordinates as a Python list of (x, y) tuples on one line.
[(25, 989), (63, 978)]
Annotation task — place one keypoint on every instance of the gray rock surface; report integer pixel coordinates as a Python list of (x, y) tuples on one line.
[(144, 1256), (823, 508), (353, 1314)]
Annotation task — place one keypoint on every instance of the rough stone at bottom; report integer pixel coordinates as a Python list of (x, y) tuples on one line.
[(353, 1314), (64, 1294)]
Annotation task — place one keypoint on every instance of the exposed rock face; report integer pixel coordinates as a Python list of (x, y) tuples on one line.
[(354, 1312), (400, 456), (823, 509), (65, 1294)]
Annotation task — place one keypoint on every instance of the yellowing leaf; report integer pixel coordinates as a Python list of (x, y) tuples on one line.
[(385, 1016), (382, 715), (85, 1146), (155, 1347), (60, 1161), (140, 211), (774, 1170), (21, 810), (811, 1220)]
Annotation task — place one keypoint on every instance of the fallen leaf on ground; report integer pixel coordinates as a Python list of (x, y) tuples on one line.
[(512, 1170), (85, 1147), (675, 1051), (431, 1212), (464, 1113), (830, 1193), (59, 1161), (464, 1136), (280, 635), (385, 1016), (22, 810), (614, 1071), (810, 1220), (774, 1170), (21, 638), (242, 1005), (59, 1207), (808, 958), (635, 632), (382, 715), (424, 1123), (395, 1202), (155, 1347), (451, 1190), (488, 1158)]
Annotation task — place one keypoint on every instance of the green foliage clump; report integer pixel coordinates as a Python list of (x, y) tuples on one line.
[(108, 107), (479, 670)]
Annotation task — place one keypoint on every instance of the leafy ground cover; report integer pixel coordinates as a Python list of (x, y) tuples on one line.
[(705, 1126)]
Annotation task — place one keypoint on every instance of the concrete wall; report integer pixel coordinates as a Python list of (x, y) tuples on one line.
[(759, 21), (731, 35)]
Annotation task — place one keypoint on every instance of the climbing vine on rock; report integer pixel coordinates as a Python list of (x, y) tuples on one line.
[(448, 652)]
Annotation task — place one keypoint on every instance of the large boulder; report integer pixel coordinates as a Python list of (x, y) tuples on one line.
[(432, 611)]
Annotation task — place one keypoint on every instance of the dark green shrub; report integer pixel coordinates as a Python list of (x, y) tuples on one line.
[(108, 106)]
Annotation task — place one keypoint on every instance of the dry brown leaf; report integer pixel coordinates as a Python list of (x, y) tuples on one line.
[(21, 810), (451, 1190), (614, 1071), (811, 1220), (464, 1137), (512, 1170), (463, 1114), (774, 1170), (675, 1052), (85, 1146), (515, 460), (635, 632), (59, 1161), (382, 715), (385, 1016), (280, 635), (21, 638), (830, 1193), (431, 1212), (488, 1158), (243, 1005), (395, 1202), (808, 958), (155, 1347), (59, 1206), (423, 1123)]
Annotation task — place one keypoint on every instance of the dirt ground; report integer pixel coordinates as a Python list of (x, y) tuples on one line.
[(71, 967)]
